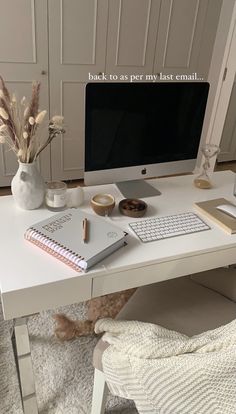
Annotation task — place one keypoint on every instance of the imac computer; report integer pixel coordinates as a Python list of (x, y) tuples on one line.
[(135, 131)]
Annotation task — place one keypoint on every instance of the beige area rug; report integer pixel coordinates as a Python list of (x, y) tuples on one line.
[(63, 371)]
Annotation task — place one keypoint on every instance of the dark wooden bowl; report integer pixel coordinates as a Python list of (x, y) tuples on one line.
[(132, 207)]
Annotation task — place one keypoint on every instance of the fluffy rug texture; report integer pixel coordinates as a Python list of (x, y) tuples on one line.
[(63, 370)]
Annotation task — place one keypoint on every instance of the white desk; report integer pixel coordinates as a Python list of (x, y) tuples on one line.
[(31, 280)]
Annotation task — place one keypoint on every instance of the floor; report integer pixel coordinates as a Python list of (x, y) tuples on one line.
[(70, 184), (73, 183)]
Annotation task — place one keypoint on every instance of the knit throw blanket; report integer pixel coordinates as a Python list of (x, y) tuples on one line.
[(166, 372)]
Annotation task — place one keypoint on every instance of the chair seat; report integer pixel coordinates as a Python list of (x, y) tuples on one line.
[(179, 304)]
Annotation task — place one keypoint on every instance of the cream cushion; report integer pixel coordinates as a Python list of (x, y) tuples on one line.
[(222, 280), (179, 304)]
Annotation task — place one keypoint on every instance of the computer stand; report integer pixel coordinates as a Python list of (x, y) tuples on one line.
[(137, 189)]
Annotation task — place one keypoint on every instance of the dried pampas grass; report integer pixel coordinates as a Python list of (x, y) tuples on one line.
[(20, 122)]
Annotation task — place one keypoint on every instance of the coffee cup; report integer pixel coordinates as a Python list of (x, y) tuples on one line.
[(102, 204)]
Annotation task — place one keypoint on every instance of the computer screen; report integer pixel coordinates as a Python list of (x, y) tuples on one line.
[(142, 130)]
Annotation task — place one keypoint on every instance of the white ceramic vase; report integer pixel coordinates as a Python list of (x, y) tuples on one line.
[(28, 187)]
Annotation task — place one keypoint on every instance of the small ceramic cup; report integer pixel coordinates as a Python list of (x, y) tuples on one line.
[(75, 197), (103, 204)]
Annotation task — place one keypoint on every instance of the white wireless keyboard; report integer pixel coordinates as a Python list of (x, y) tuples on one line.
[(159, 228)]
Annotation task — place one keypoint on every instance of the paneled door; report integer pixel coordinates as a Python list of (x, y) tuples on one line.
[(185, 39), (24, 58), (131, 38), (228, 140), (77, 45)]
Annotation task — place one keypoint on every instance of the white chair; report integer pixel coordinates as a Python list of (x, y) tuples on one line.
[(190, 305)]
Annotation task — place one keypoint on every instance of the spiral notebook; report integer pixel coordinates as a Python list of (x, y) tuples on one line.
[(62, 237)]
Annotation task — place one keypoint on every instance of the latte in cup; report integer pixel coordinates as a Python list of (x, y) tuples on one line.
[(103, 204)]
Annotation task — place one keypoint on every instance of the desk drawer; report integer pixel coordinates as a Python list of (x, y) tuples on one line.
[(25, 302), (145, 275)]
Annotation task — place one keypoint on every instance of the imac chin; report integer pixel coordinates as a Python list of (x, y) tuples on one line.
[(143, 130)]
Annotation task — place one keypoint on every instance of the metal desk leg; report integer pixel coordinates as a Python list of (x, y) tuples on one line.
[(22, 353)]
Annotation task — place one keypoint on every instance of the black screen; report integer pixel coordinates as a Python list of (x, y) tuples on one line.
[(130, 124)]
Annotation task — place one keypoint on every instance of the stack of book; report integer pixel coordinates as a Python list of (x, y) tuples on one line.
[(208, 209), (66, 237)]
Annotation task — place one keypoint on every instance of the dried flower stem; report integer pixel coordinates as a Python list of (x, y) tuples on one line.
[(9, 121), (5, 90), (19, 124)]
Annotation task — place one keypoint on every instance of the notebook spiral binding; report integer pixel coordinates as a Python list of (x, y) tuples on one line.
[(54, 249)]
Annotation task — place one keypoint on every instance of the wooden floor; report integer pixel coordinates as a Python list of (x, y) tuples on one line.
[(222, 166), (70, 184), (73, 183)]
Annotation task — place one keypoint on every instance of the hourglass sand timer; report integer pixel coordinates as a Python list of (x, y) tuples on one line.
[(203, 180)]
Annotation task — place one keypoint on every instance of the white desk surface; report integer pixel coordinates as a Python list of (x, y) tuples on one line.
[(31, 280)]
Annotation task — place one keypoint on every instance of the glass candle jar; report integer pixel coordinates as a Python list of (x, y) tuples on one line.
[(55, 197)]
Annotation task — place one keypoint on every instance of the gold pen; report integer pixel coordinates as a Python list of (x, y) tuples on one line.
[(85, 230)]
